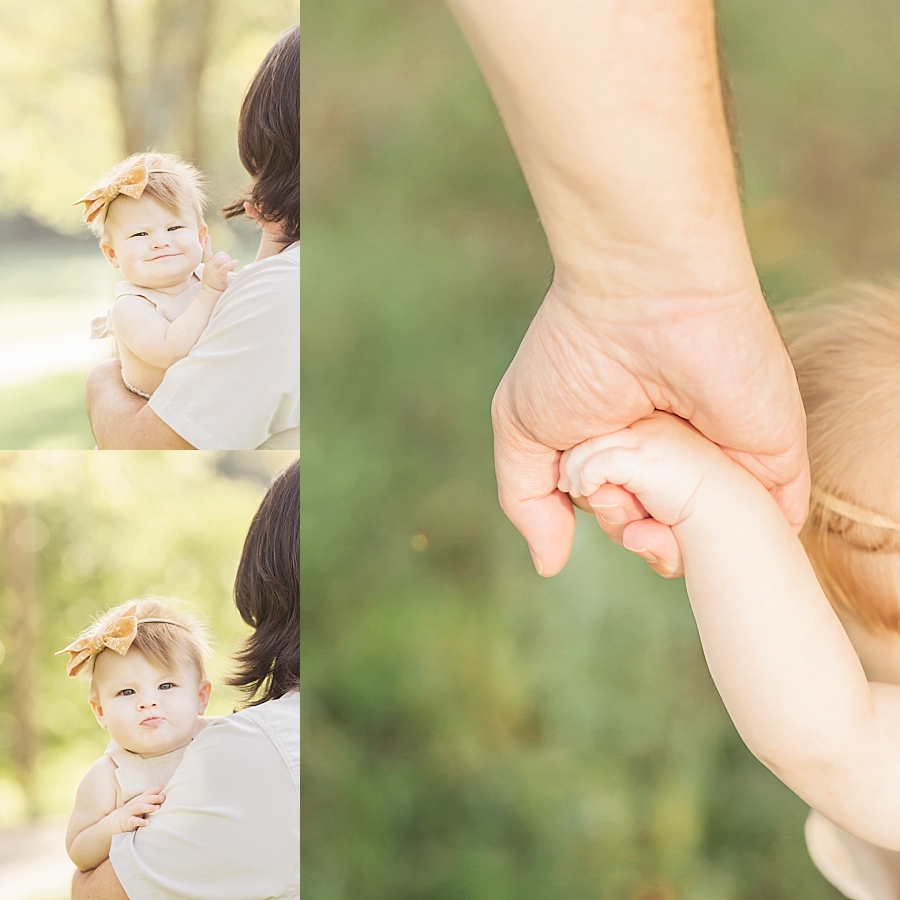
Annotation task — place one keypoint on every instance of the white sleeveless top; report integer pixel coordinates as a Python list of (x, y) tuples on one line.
[(135, 774), (170, 308)]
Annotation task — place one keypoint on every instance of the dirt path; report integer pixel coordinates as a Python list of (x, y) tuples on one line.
[(33, 862)]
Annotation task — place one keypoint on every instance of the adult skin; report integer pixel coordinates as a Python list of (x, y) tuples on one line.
[(615, 113), (269, 145), (267, 596)]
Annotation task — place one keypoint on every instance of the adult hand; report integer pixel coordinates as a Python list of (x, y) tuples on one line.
[(588, 366), (616, 114)]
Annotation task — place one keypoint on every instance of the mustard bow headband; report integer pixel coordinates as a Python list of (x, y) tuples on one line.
[(131, 183), (851, 511), (118, 635)]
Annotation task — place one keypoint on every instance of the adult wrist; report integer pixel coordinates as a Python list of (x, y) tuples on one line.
[(657, 301)]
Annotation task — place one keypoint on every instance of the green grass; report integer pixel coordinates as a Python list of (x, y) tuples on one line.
[(48, 414)]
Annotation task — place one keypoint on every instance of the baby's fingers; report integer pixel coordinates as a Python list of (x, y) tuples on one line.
[(611, 465), (574, 477), (143, 809)]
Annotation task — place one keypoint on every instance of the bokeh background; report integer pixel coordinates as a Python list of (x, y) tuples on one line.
[(84, 83), (80, 532), (474, 732)]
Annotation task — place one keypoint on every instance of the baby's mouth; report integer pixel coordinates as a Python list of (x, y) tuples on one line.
[(152, 721)]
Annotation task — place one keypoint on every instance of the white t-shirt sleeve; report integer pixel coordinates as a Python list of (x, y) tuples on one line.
[(230, 826), (239, 387)]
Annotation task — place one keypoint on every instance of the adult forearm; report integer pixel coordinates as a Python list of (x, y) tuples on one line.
[(120, 420), (99, 884), (615, 113)]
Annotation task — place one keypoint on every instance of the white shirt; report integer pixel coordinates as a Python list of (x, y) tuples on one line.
[(239, 387), (230, 826)]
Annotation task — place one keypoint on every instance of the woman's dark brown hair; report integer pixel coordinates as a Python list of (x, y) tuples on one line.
[(267, 594), (269, 138)]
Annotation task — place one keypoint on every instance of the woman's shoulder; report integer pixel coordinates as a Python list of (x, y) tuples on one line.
[(271, 730), (282, 268), (279, 720)]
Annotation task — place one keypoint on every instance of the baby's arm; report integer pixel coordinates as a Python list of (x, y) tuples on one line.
[(161, 343), (783, 664), (95, 819)]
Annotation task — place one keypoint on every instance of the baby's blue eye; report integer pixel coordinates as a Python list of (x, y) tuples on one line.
[(126, 692), (174, 227), (140, 234), (166, 685)]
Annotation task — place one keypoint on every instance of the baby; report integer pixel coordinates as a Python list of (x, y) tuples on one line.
[(147, 213), (149, 690), (818, 703)]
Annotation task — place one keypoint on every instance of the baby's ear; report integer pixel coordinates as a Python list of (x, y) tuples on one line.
[(203, 696), (98, 712), (202, 232), (110, 253)]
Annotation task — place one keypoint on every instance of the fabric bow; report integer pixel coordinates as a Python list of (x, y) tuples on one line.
[(130, 183), (118, 636)]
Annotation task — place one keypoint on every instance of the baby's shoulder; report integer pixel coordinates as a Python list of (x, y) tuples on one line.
[(104, 769), (98, 787)]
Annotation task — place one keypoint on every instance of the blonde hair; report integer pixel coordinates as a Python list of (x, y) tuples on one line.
[(171, 646), (845, 346), (176, 184)]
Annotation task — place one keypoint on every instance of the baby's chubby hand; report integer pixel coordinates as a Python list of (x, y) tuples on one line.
[(217, 270), (132, 815), (662, 460)]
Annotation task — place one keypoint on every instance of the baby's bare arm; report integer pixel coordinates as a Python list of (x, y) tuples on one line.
[(154, 339), (780, 658), (95, 818)]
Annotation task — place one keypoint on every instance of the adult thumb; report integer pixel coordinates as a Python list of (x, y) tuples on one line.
[(527, 475)]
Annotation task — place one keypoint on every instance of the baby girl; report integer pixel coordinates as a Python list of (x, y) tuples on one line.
[(149, 690), (147, 213)]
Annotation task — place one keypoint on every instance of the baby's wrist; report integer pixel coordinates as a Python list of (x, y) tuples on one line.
[(210, 293)]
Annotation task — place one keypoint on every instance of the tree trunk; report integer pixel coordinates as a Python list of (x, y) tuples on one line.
[(159, 109), (20, 569)]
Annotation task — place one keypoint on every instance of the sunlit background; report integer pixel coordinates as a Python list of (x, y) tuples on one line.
[(474, 732), (80, 532), (83, 83)]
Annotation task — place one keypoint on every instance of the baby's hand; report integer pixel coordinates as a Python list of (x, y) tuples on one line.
[(662, 460), (134, 813), (217, 270)]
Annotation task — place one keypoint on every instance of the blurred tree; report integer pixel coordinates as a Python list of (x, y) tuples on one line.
[(83, 82), (22, 615), (159, 105)]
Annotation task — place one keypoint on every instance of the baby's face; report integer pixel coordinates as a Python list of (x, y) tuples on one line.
[(146, 708), (154, 246)]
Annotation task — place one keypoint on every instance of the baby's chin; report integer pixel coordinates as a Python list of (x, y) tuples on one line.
[(156, 744), (162, 280)]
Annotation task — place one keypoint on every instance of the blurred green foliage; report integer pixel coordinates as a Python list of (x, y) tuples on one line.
[(471, 730), (103, 528)]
